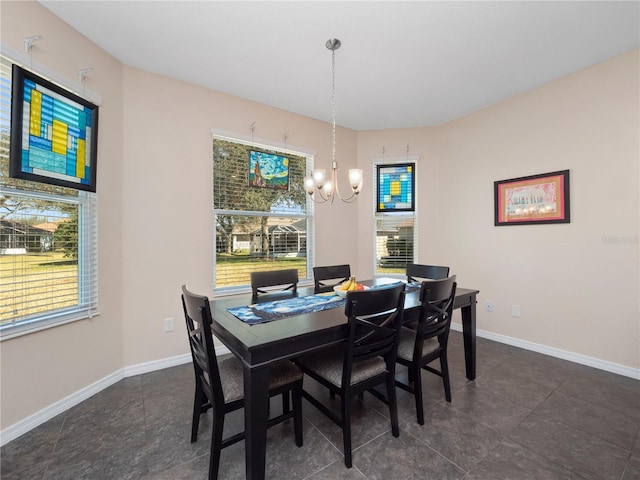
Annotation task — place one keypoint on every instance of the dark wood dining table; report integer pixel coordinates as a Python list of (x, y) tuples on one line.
[(259, 345)]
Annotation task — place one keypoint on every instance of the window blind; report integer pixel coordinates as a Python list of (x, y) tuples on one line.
[(396, 234), (395, 242), (261, 221), (48, 258)]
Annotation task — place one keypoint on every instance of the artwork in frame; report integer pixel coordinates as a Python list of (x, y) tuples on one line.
[(535, 199), (54, 133), (395, 187), (268, 170)]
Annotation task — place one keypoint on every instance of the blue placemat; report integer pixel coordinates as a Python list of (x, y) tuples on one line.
[(279, 309)]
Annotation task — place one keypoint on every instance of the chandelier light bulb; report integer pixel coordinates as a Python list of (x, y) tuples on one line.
[(328, 188), (355, 179), (319, 176), (309, 185)]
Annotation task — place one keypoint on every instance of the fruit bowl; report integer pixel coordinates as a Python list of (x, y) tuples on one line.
[(339, 291), (343, 293)]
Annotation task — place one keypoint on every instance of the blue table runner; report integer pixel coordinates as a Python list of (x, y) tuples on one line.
[(279, 309), (289, 307)]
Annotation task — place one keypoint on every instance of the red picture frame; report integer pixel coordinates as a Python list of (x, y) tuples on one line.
[(535, 199)]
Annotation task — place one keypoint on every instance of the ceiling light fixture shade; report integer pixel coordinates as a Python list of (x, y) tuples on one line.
[(319, 188)]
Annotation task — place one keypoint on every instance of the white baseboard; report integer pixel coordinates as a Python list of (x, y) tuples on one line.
[(558, 353), (154, 365), (32, 421)]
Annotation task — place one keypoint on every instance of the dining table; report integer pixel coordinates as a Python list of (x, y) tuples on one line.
[(258, 345)]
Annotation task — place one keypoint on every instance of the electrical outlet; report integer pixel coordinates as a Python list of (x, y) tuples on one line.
[(168, 324), (515, 311), (488, 306)]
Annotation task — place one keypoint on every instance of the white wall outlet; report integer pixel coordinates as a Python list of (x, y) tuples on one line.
[(488, 306), (515, 311), (168, 324)]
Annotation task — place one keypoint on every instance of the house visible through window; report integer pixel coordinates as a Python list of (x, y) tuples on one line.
[(261, 212), (48, 244)]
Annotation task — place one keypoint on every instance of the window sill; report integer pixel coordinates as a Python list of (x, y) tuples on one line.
[(25, 328)]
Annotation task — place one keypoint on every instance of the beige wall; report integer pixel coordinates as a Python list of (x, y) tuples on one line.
[(156, 225), (39, 369), (577, 284), (578, 291)]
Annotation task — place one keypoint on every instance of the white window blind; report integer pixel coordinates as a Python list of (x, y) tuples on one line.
[(395, 242), (48, 244), (396, 235), (258, 227)]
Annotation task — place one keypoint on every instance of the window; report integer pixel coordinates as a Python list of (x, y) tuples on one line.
[(262, 217), (48, 244), (395, 231)]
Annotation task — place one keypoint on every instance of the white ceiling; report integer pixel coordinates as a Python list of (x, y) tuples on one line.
[(401, 64)]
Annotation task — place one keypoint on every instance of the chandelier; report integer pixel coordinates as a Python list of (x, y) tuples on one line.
[(319, 188)]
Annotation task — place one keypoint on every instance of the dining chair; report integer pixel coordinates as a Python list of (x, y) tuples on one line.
[(417, 272), (326, 277), (284, 279), (428, 342), (220, 384), (365, 359)]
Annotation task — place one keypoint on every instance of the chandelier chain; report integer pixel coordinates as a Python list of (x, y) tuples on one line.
[(333, 102)]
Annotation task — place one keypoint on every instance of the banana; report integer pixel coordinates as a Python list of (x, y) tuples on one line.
[(349, 285), (345, 285)]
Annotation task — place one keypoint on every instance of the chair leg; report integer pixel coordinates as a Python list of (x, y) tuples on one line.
[(286, 408), (444, 367), (417, 392), (393, 404), (296, 393), (346, 428), (197, 410), (216, 446)]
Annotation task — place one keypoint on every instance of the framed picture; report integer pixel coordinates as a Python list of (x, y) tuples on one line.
[(54, 133), (535, 199), (395, 190), (268, 170)]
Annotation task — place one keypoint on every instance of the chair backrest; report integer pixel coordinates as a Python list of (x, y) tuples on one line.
[(197, 313), (327, 277), (436, 309), (417, 272), (375, 318), (286, 279)]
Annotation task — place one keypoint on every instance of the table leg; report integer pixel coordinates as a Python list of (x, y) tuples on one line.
[(256, 411), (469, 334)]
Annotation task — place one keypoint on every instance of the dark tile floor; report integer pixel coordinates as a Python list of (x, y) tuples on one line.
[(527, 416)]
